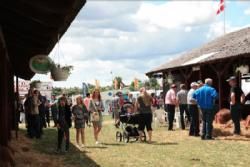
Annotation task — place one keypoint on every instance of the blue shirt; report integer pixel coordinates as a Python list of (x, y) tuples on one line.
[(205, 97)]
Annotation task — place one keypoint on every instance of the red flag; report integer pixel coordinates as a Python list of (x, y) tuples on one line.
[(221, 7)]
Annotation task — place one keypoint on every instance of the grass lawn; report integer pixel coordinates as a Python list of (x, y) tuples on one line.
[(168, 149)]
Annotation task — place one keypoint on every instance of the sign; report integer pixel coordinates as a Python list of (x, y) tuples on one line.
[(196, 68), (40, 64)]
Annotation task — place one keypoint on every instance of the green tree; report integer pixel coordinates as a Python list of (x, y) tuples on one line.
[(119, 81), (57, 91), (91, 87), (154, 83), (132, 86)]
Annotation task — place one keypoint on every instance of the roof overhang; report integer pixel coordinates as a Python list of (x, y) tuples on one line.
[(31, 27)]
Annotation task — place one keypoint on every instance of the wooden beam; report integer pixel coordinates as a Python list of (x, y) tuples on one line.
[(219, 72), (16, 112)]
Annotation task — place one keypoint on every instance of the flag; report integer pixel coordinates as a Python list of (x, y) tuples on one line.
[(97, 84), (116, 84), (221, 7), (136, 83)]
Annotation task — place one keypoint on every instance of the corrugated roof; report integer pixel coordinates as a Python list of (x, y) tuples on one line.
[(230, 45)]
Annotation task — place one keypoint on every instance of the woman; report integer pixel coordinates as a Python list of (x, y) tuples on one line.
[(35, 118), (143, 105), (63, 124), (79, 111), (96, 108)]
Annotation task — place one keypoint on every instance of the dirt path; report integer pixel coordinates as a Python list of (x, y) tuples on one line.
[(25, 156)]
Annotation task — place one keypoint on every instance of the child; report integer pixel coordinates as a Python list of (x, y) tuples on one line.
[(247, 122), (63, 124), (79, 110)]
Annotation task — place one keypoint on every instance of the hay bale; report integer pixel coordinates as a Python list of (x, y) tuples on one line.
[(223, 116), (6, 156)]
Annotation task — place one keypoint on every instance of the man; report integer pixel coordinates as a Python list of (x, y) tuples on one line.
[(54, 109), (170, 102), (200, 83), (237, 97), (131, 99), (193, 110), (42, 110), (115, 108), (205, 97), (47, 112), (182, 101)]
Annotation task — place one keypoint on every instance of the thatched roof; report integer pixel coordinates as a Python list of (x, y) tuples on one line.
[(230, 45), (31, 27)]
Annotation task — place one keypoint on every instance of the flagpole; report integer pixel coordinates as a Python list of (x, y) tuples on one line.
[(224, 17)]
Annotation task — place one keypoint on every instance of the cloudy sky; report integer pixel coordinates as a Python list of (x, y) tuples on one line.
[(130, 38)]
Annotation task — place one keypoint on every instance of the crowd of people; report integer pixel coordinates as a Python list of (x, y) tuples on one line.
[(195, 105), (200, 102), (34, 111)]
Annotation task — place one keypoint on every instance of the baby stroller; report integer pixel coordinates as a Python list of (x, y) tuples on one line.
[(129, 125)]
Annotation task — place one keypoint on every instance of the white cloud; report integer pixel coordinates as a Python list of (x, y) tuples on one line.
[(130, 38), (177, 13), (247, 11), (217, 29)]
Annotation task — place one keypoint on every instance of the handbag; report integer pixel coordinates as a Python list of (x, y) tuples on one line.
[(95, 117)]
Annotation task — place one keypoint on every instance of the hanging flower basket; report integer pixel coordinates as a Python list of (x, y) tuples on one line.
[(60, 73), (36, 84), (243, 69)]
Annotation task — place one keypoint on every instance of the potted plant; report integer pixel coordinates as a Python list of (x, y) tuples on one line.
[(36, 84), (59, 73)]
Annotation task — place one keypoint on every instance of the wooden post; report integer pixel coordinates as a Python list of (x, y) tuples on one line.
[(219, 72), (186, 75), (220, 91), (16, 112), (5, 108)]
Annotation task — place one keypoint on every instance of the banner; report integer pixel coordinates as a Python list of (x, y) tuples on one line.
[(84, 89)]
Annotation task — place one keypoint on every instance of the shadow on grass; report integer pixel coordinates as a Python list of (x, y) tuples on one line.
[(218, 133), (97, 147), (113, 144), (48, 145), (164, 143), (221, 134), (235, 138)]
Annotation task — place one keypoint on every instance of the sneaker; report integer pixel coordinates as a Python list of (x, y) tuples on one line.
[(82, 146), (78, 146), (57, 151), (209, 138), (236, 135), (97, 142)]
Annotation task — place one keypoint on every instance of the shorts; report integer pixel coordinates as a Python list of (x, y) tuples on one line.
[(79, 124), (145, 120)]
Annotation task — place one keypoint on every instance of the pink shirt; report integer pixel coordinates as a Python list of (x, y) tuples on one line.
[(86, 102), (170, 97)]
